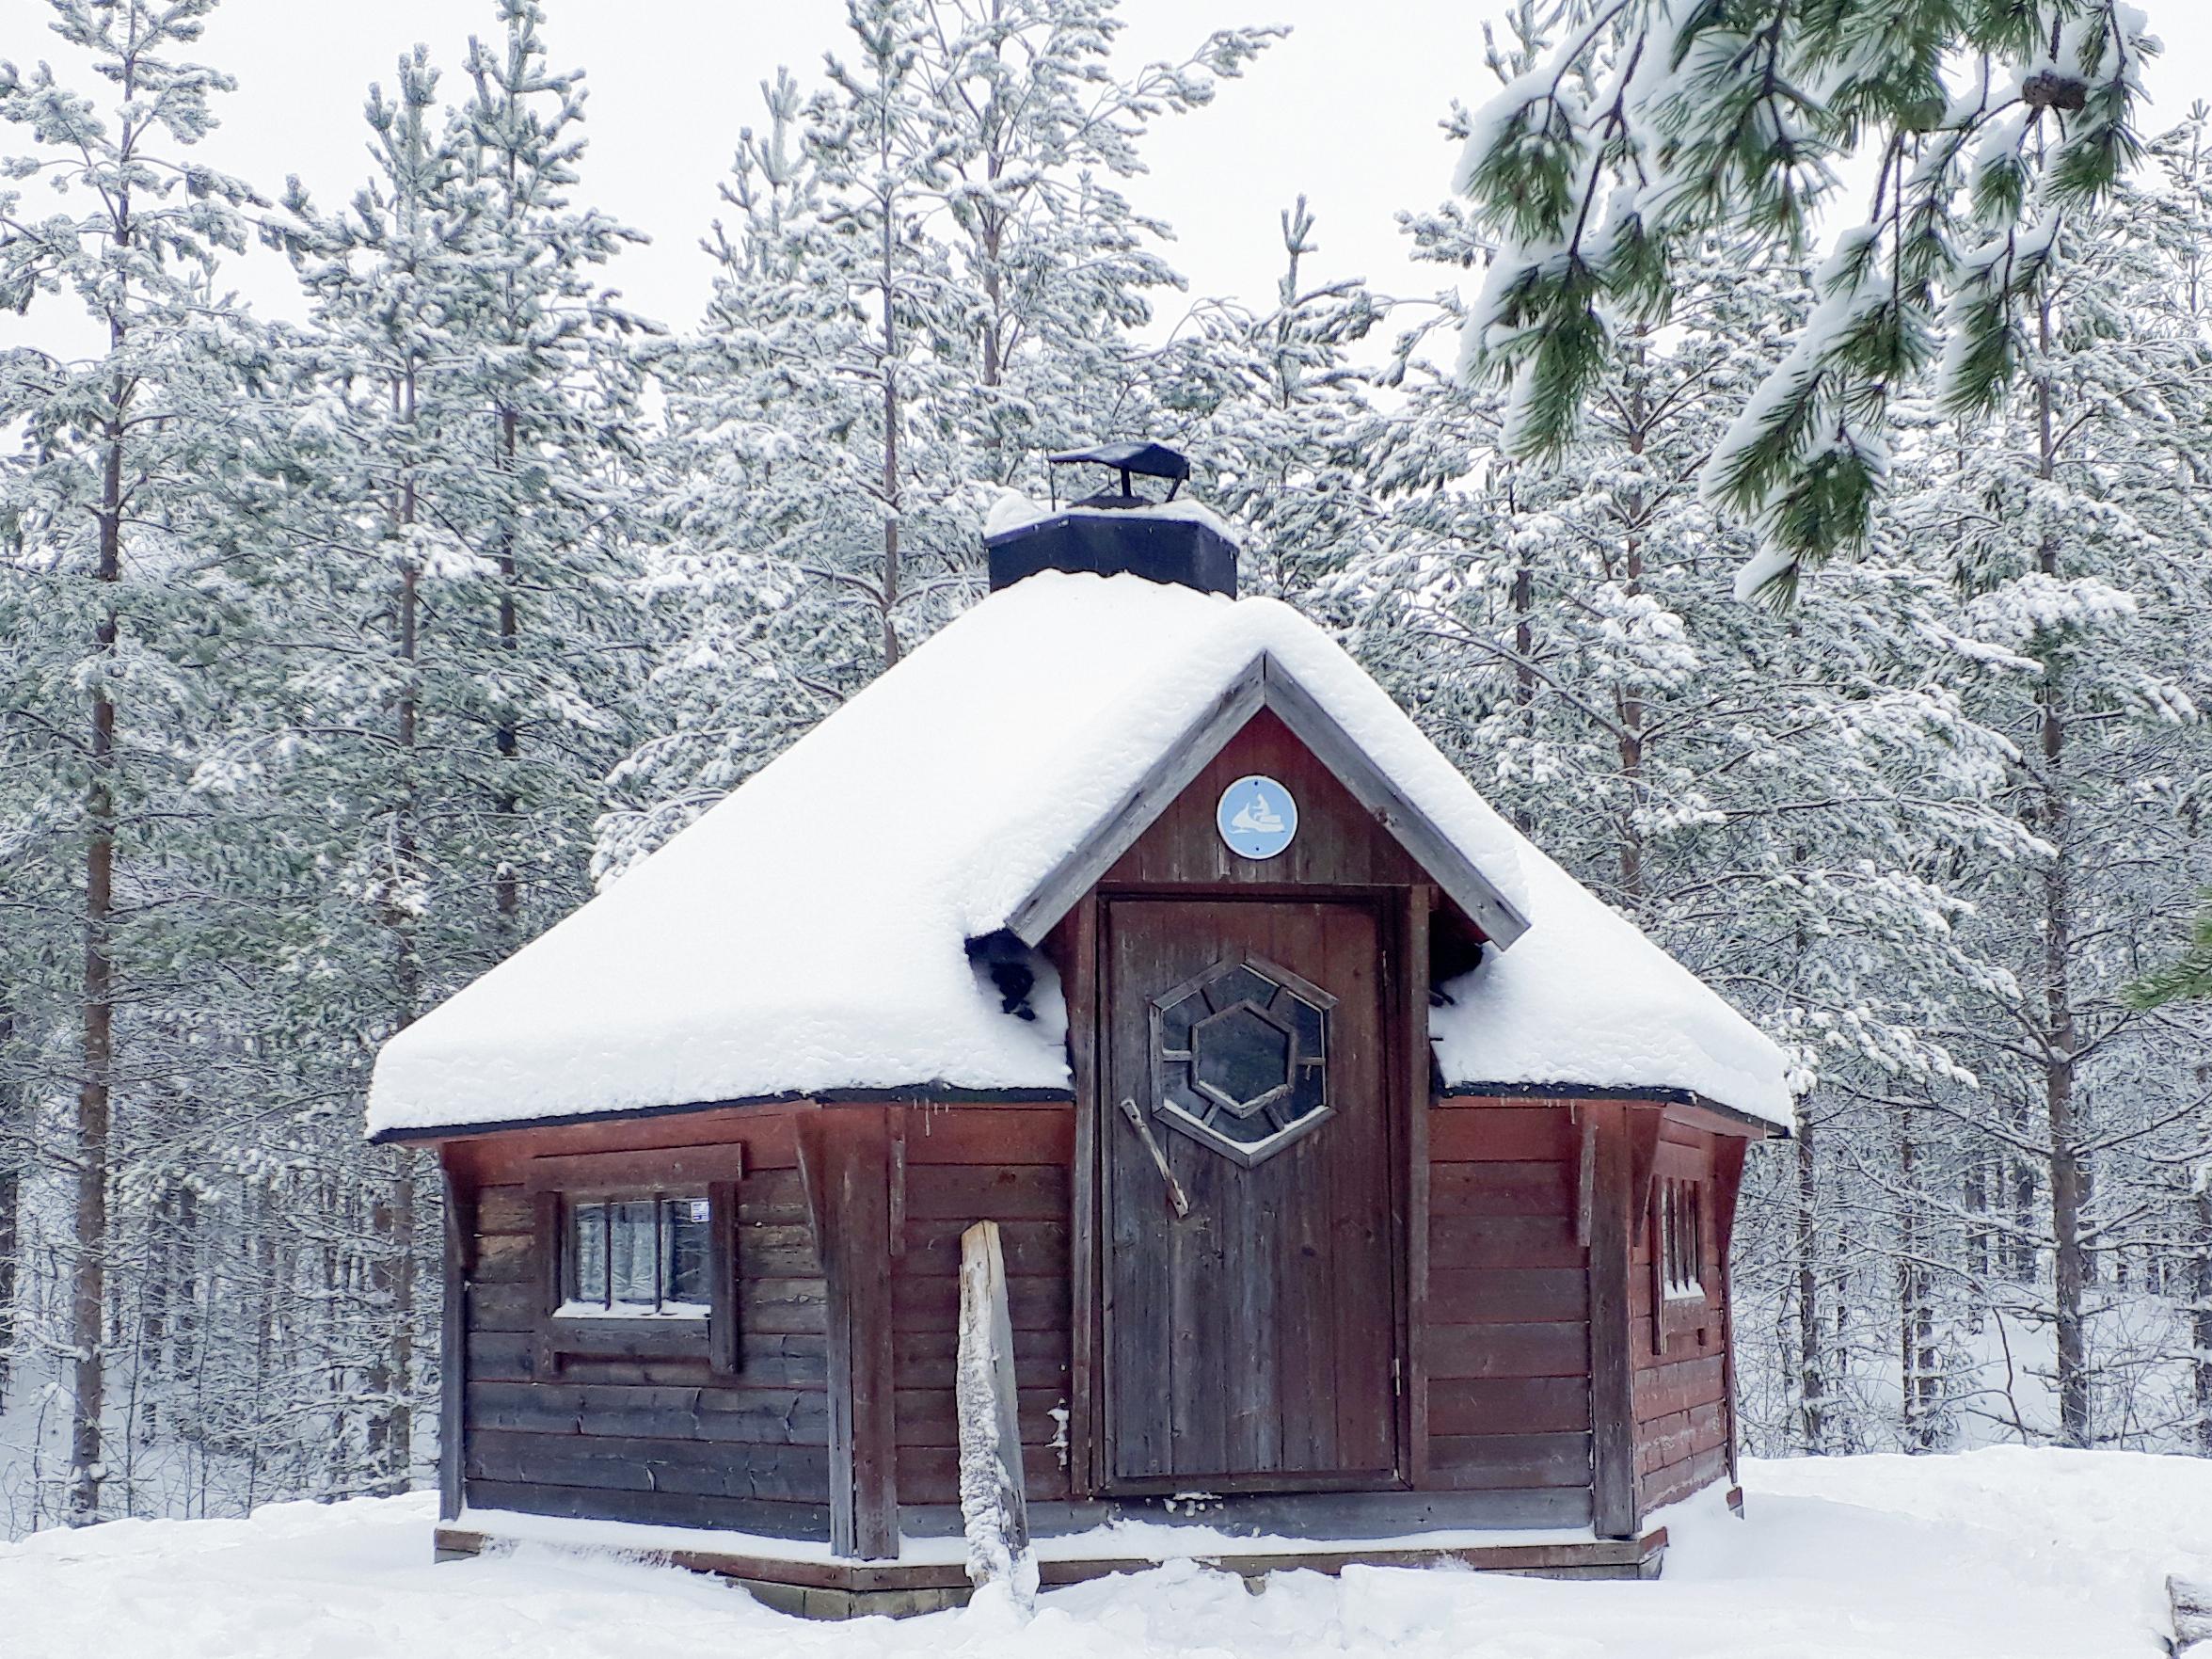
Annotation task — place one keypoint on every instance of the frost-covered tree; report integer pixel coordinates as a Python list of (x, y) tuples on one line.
[(454, 469), (930, 277), (1628, 130), (111, 640)]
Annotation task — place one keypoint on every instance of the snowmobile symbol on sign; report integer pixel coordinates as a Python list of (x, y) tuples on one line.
[(1257, 817)]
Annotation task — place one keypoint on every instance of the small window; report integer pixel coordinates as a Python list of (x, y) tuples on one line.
[(1681, 1240), (635, 1258)]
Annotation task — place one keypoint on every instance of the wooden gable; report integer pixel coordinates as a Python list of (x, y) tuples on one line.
[(1338, 844), (1325, 749)]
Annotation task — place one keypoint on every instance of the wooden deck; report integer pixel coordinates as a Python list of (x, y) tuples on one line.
[(817, 1589)]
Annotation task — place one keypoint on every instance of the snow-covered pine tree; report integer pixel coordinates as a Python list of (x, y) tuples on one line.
[(105, 541), (456, 473), (1628, 130), (1272, 407), (2069, 523), (931, 275)]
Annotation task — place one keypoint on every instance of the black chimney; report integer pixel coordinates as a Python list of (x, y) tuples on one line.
[(1114, 533)]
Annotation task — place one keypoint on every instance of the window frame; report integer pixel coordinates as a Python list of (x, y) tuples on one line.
[(1682, 1266), (558, 1183)]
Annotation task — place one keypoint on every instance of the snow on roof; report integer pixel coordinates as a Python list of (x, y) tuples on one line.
[(808, 934)]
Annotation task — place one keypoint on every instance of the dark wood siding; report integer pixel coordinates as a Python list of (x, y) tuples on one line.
[(1009, 1164), (650, 1440), (1680, 1383), (1505, 1353)]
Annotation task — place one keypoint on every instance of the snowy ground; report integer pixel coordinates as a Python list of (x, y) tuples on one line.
[(2005, 1553)]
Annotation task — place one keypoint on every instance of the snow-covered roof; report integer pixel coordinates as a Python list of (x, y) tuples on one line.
[(808, 934)]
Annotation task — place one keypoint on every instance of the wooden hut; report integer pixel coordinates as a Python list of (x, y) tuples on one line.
[(1365, 1184)]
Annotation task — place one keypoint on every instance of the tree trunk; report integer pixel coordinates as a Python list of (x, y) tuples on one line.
[(1811, 1358), (2201, 1315), (891, 501), (2060, 1037), (506, 888)]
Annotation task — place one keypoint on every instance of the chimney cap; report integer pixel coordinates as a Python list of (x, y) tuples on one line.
[(1150, 461)]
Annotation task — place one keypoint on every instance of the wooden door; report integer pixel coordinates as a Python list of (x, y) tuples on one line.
[(1250, 1342)]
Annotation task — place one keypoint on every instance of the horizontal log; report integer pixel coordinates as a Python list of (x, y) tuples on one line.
[(931, 1475), (1555, 1349), (1507, 1295), (1468, 1134), (1660, 1391), (663, 1169), (663, 1508), (933, 1303), (767, 1250), (990, 1135), (765, 1361), (930, 1416), (783, 1306), (772, 1198), (785, 1473), (924, 1359), (1017, 1193), (1479, 1461), (505, 1258), (736, 1415), (1502, 1241), (1545, 1187), (1030, 1248), (504, 1307), (1508, 1405), (1679, 1481), (504, 1209)]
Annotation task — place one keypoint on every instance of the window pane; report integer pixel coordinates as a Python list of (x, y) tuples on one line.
[(588, 1251), (630, 1252), (684, 1250)]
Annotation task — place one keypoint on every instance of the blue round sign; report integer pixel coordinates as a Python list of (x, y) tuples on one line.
[(1256, 817)]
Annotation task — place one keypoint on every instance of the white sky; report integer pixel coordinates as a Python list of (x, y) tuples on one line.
[(1346, 110)]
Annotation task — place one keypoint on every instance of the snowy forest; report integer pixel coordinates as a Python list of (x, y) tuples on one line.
[(341, 657)]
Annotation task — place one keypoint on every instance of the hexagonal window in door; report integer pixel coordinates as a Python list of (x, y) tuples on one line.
[(1240, 1058)]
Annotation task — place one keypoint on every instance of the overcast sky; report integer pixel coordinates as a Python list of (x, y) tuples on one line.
[(1345, 110)]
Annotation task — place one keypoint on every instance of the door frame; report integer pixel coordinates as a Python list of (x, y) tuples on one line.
[(1401, 919)]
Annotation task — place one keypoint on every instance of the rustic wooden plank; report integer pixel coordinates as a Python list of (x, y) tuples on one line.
[(785, 1473), (765, 1361), (933, 1303), (502, 1258), (460, 1230), (545, 1250), (924, 1357), (1508, 1405), (865, 1227), (992, 1135), (774, 1251), (1530, 1188), (1032, 1248), (1508, 1295), (502, 1209), (1457, 1241), (1611, 1401), (1077, 946), (1462, 1132), (1416, 1069), (928, 1416), (1478, 1461), (1727, 1171), (504, 1307), (663, 1508), (1549, 1349), (931, 1475), (651, 1169), (723, 1320), (964, 1192)]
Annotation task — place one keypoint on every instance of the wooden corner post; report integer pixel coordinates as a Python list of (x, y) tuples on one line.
[(1613, 1405), (845, 1167)]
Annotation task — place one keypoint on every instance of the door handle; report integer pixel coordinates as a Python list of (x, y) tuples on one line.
[(1176, 1200)]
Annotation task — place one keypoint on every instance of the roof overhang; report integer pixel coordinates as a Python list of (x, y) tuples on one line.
[(1266, 684)]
